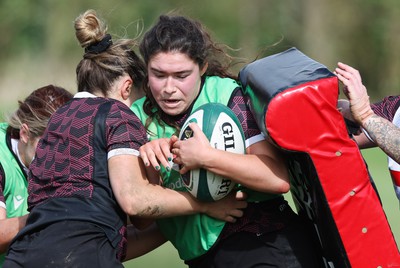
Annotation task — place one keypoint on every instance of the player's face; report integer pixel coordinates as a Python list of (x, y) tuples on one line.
[(174, 81)]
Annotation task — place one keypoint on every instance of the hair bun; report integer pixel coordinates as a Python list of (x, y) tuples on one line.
[(89, 29), (101, 46)]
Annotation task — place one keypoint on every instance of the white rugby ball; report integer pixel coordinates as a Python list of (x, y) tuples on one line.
[(224, 131)]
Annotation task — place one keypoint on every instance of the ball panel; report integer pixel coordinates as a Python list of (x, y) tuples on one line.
[(203, 192), (227, 135), (218, 186), (197, 117), (222, 128)]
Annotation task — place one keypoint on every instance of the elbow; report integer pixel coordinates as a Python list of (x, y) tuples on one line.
[(129, 206), (141, 208), (132, 209), (278, 187), (283, 187)]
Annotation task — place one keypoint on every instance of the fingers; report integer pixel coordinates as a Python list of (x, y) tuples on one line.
[(346, 68), (195, 128), (343, 76), (156, 152), (355, 91), (197, 134), (237, 213), (173, 140), (230, 219), (233, 218), (177, 160), (351, 79), (345, 71), (149, 158), (144, 157), (242, 204), (174, 143), (241, 195)]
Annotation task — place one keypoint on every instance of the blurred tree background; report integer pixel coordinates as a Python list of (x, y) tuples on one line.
[(38, 44)]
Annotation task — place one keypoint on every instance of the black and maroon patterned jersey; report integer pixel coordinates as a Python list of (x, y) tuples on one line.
[(69, 179), (65, 156), (239, 104), (387, 107)]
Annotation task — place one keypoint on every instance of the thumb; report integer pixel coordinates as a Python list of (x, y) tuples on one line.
[(195, 128), (172, 140)]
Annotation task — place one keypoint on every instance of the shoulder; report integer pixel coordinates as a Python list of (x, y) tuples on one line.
[(123, 127), (3, 128), (220, 82), (217, 89), (137, 107), (139, 102), (121, 112)]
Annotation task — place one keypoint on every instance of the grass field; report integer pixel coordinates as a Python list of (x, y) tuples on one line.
[(166, 255)]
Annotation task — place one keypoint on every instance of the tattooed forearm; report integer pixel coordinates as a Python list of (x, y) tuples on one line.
[(385, 134)]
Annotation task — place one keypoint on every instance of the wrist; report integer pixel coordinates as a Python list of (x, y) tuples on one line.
[(361, 109), (203, 207), (366, 117), (197, 205)]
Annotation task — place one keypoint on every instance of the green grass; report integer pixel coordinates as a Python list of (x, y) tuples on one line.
[(166, 255)]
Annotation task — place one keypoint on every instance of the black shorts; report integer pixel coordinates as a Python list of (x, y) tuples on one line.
[(290, 247), (64, 244)]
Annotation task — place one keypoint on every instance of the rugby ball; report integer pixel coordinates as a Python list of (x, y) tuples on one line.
[(224, 131)]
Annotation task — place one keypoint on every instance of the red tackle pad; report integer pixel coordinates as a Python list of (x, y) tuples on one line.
[(294, 100)]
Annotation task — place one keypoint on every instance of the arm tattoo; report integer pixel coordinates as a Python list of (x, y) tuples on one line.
[(385, 134)]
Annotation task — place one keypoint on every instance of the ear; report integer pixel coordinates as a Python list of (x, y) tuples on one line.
[(24, 133), (126, 88), (204, 69)]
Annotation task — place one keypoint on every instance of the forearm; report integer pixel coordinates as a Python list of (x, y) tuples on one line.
[(385, 134), (140, 198), (154, 201), (8, 229), (258, 172)]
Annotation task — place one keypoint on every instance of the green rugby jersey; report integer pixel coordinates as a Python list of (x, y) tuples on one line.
[(13, 181)]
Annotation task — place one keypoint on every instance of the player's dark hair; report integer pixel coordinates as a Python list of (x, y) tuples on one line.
[(184, 35)]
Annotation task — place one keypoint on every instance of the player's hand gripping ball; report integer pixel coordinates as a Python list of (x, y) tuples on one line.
[(222, 128)]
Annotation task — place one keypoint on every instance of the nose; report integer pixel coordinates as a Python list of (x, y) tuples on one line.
[(169, 85)]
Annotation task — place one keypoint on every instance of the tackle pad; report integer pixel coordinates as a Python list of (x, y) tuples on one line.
[(294, 101)]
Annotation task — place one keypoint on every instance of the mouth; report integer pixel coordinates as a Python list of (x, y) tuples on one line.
[(171, 102), (171, 106)]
